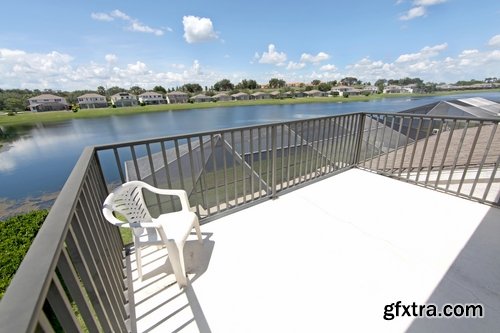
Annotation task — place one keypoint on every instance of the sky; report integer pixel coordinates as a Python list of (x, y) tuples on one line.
[(72, 45)]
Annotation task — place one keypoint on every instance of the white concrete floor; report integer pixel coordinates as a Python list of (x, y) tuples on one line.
[(328, 258)]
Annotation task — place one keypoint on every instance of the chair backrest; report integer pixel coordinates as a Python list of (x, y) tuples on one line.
[(128, 200)]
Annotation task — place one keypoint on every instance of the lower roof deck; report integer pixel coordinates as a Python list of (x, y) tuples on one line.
[(329, 257)]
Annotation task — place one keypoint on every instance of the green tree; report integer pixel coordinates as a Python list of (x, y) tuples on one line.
[(101, 90), (380, 83), (277, 83), (136, 90), (350, 81), (14, 104), (223, 85), (315, 82), (192, 87), (324, 86), (160, 89), (247, 84), (115, 90)]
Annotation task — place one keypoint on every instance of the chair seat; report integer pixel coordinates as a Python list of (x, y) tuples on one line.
[(178, 225)]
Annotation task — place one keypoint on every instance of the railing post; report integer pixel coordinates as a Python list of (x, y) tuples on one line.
[(273, 165), (359, 142)]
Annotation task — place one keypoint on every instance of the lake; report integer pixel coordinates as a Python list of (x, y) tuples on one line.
[(35, 165)]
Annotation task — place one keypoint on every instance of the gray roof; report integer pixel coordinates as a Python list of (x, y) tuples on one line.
[(46, 96), (220, 95), (239, 94), (176, 93), (123, 93), (200, 96), (147, 93), (260, 93), (90, 95), (471, 107)]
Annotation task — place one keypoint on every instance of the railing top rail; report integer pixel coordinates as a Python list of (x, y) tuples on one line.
[(23, 301)]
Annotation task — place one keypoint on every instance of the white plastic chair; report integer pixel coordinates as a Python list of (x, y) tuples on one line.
[(170, 229)]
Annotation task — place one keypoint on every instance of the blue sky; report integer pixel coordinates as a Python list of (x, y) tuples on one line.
[(73, 44)]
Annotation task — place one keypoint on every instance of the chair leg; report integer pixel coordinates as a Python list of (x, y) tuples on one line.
[(198, 231), (176, 256), (138, 261)]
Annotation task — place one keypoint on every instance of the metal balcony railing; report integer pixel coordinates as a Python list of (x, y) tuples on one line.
[(73, 278)]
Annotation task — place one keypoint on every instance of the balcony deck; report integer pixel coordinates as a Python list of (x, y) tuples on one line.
[(327, 258)]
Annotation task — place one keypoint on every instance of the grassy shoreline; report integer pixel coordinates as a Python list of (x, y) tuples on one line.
[(29, 118)]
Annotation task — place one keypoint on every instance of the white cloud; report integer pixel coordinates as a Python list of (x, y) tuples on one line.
[(101, 17), (110, 58), (425, 53), (494, 41), (272, 56), (121, 15), (178, 66), (133, 24), (138, 68), (419, 8), (56, 70), (321, 56), (468, 53), (139, 27), (328, 68), (294, 65), (427, 65), (413, 13), (428, 2), (198, 29)]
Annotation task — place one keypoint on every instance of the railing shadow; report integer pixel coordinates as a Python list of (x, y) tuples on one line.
[(157, 303), (473, 278)]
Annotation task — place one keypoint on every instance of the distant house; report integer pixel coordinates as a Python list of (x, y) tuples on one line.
[(241, 96), (393, 90), (47, 102), (175, 97), (354, 92), (370, 89), (124, 99), (151, 97), (201, 98), (300, 94), (411, 88), (340, 90), (277, 94), (92, 101), (316, 93), (260, 95), (222, 97)]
